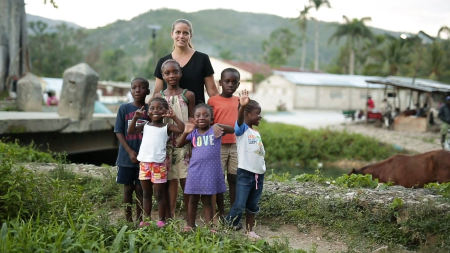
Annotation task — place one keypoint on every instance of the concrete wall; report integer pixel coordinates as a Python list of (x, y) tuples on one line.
[(273, 91)]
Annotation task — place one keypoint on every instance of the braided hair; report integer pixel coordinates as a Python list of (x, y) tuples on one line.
[(170, 61), (161, 100), (208, 107), (252, 104)]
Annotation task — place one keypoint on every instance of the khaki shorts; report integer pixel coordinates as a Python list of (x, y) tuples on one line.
[(178, 171), (228, 157), (444, 128)]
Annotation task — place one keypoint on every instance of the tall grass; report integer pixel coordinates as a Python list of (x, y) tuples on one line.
[(288, 144), (60, 211)]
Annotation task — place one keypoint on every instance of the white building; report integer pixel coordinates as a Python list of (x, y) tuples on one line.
[(297, 90)]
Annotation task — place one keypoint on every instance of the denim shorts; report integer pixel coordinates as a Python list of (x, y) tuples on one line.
[(248, 192), (128, 175)]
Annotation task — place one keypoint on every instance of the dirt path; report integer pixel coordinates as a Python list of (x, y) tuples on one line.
[(416, 142)]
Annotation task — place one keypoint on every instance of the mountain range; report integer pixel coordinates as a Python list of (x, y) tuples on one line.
[(214, 31)]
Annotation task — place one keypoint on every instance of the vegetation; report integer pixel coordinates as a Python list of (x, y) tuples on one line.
[(213, 36), (61, 211), (317, 4), (355, 30), (363, 223), (54, 212), (302, 21), (288, 145), (279, 47)]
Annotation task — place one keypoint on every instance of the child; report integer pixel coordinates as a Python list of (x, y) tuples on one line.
[(128, 167), (52, 99), (182, 103), (205, 176), (251, 164), (225, 107), (152, 154)]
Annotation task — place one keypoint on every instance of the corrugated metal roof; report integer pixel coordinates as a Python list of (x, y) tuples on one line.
[(323, 79), (419, 84)]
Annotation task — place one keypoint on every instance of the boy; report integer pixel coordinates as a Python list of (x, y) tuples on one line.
[(251, 165), (127, 163), (225, 108)]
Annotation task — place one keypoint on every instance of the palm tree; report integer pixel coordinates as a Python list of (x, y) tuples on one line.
[(445, 29), (302, 21), (355, 30), (436, 61), (317, 4), (389, 58)]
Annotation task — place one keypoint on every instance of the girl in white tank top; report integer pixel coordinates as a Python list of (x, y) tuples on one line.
[(152, 155)]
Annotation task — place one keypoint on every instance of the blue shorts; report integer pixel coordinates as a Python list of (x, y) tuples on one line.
[(249, 188), (128, 175)]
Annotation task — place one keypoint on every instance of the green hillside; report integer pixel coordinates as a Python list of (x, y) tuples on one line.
[(214, 31)]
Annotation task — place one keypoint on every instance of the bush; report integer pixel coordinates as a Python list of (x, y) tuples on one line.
[(288, 144), (23, 154), (442, 189)]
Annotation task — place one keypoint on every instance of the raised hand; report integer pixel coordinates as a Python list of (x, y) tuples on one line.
[(189, 127), (243, 98), (169, 113), (218, 130), (140, 112)]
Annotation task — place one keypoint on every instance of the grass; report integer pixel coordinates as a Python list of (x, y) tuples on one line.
[(59, 211), (288, 145)]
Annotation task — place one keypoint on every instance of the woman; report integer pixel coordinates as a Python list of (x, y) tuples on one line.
[(197, 71)]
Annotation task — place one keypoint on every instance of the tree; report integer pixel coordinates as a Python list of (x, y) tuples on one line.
[(226, 54), (355, 30), (444, 29), (435, 61), (14, 47), (390, 57), (302, 21), (317, 4), (279, 47), (54, 52)]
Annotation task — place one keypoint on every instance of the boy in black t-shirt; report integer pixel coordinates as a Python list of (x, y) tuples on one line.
[(127, 163)]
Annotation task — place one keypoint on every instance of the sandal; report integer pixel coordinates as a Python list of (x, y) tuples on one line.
[(252, 235), (187, 229)]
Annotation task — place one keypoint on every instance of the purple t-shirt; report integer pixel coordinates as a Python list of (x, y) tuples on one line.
[(205, 174)]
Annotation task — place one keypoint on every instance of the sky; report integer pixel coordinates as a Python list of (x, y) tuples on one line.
[(394, 15)]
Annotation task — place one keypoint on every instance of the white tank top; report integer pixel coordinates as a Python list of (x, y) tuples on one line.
[(153, 146)]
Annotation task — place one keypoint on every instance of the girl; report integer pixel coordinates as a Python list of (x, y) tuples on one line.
[(251, 164), (198, 72), (182, 103), (205, 176), (152, 154)]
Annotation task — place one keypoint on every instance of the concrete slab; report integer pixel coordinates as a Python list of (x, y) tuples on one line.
[(34, 122)]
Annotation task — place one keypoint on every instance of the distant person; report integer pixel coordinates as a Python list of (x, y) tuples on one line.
[(182, 102), (251, 165), (52, 100), (370, 103), (152, 155), (15, 80), (127, 163), (130, 97), (198, 72), (444, 116), (205, 176), (225, 108)]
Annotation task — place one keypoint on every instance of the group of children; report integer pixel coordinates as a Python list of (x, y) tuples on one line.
[(194, 145)]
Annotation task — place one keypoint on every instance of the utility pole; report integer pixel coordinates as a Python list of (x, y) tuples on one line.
[(154, 28)]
